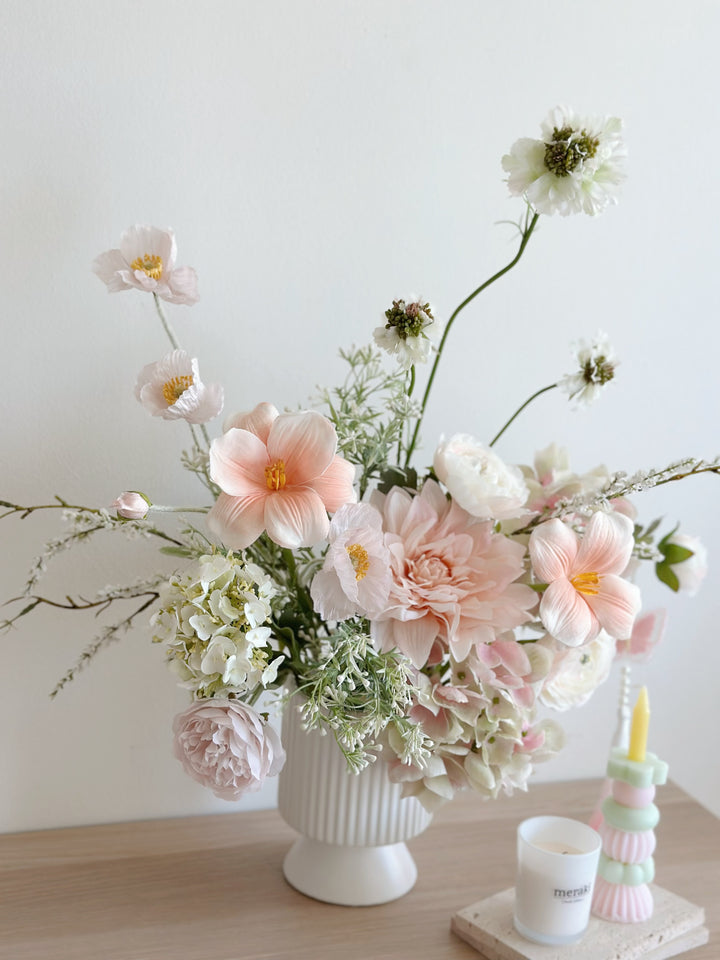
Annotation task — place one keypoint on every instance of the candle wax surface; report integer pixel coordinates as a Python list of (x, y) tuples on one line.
[(555, 846)]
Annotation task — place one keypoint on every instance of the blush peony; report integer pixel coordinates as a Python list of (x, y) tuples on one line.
[(226, 747), (454, 580)]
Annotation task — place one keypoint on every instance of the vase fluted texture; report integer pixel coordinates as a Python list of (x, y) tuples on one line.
[(352, 827)]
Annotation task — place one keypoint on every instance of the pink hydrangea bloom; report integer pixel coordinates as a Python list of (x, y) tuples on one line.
[(453, 577), (585, 591), (280, 473), (226, 746), (146, 261), (355, 578)]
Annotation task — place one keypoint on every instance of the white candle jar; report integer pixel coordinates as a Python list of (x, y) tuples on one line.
[(557, 860)]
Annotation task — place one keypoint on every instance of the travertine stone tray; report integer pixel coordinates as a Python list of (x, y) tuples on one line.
[(675, 927)]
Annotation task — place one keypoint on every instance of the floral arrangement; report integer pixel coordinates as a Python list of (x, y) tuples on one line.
[(422, 618)]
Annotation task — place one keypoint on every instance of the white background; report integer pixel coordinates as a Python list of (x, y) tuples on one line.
[(317, 159)]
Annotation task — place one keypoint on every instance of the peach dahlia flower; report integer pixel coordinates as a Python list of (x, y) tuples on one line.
[(454, 579), (277, 472), (585, 591)]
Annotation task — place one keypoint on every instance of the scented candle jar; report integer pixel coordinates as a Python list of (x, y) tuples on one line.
[(557, 863)]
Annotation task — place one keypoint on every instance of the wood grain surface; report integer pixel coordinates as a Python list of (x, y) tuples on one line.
[(211, 888)]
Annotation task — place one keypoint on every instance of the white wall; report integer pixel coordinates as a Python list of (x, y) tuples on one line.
[(318, 159)]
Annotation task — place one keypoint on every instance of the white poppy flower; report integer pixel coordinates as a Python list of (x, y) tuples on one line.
[(172, 389), (145, 260)]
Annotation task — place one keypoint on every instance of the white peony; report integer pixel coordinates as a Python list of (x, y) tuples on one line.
[(478, 479), (578, 672)]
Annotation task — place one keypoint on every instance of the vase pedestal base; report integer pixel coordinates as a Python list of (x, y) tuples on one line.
[(353, 876)]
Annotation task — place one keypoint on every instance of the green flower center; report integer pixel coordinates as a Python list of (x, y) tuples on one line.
[(567, 149), (598, 370), (408, 319)]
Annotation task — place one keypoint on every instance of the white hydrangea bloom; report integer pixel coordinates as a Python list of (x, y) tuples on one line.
[(576, 167), (213, 622)]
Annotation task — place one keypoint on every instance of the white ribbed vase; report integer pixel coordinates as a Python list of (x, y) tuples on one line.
[(353, 826)]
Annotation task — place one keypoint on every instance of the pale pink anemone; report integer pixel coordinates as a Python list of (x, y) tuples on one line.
[(453, 578), (355, 578), (171, 388), (146, 261), (585, 591), (280, 473)]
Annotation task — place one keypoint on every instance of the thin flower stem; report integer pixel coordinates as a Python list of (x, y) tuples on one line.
[(519, 411), (527, 230), (161, 509), (166, 325), (411, 387)]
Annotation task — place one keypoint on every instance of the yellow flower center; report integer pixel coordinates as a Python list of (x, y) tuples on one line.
[(175, 388), (275, 475), (149, 263), (586, 583), (359, 560)]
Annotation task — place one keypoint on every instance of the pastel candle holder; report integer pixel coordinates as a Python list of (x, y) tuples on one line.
[(626, 865)]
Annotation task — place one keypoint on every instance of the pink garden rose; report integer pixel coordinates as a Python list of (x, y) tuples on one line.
[(226, 747), (146, 261), (280, 473), (453, 578), (585, 592)]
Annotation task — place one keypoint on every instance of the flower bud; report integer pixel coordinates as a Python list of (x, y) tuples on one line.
[(132, 505)]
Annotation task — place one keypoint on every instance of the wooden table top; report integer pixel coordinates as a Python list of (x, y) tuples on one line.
[(211, 887)]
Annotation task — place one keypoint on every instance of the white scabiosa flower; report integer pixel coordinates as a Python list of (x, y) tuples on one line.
[(478, 479), (595, 368), (145, 260), (577, 166), (171, 388), (409, 331)]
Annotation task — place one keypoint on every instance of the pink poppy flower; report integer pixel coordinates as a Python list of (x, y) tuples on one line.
[(453, 578), (355, 577), (585, 591), (280, 473), (171, 388), (146, 261)]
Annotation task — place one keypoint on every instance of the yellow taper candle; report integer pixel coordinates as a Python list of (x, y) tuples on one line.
[(639, 729)]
